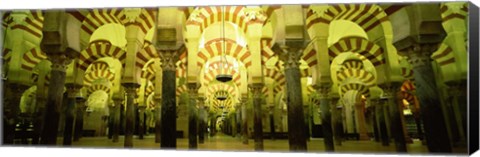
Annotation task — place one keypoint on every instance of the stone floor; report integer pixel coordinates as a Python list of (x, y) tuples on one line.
[(227, 143)]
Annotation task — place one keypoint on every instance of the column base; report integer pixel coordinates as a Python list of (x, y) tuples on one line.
[(363, 137)]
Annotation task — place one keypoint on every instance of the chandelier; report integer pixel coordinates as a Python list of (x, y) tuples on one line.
[(223, 59)]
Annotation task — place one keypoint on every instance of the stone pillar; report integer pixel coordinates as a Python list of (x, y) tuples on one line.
[(256, 89), (130, 91), (80, 111), (116, 119), (392, 93), (296, 121), (192, 115), (362, 129), (169, 111), (72, 90), (336, 119), (141, 120), (374, 122), (202, 119), (238, 114), (244, 121), (381, 120), (158, 119), (326, 116), (55, 90), (427, 92), (12, 97)]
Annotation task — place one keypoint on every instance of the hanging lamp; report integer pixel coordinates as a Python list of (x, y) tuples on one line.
[(223, 77)]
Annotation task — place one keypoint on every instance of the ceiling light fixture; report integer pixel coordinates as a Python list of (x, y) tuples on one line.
[(223, 77)]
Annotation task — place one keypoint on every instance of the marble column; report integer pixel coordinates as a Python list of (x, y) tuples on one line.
[(12, 98), (336, 119), (296, 122), (169, 110), (38, 120), (362, 128), (141, 121), (427, 93), (238, 114), (381, 120), (55, 95), (80, 108), (72, 90), (158, 119), (376, 131), (391, 92), (323, 91), (272, 121), (459, 105), (202, 119), (116, 119), (192, 116), (244, 121), (130, 91), (256, 89)]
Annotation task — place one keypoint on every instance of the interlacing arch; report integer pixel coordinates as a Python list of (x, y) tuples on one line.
[(359, 45), (96, 71), (150, 89), (33, 23), (352, 64), (309, 55), (215, 68), (181, 70), (367, 16), (266, 45), (97, 50), (277, 76), (98, 87), (231, 49), (32, 58), (146, 54)]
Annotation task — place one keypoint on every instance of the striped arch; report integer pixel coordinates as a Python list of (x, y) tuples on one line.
[(150, 89), (145, 20), (269, 9), (182, 65), (266, 45), (362, 89), (232, 49), (203, 17), (275, 75), (33, 23), (454, 13), (444, 55), (305, 72), (309, 55), (6, 55), (80, 15), (97, 18), (96, 71), (352, 64), (361, 75), (181, 89), (221, 86), (367, 16), (227, 103), (215, 69), (146, 54), (32, 58), (149, 72), (359, 45), (98, 87), (97, 50), (407, 73), (407, 91)]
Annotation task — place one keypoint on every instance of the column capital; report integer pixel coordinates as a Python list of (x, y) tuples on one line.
[(73, 89), (390, 89), (170, 56), (419, 54), (323, 90), (256, 89), (290, 55), (193, 88)]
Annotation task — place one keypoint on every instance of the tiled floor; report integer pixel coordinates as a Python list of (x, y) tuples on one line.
[(228, 143)]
